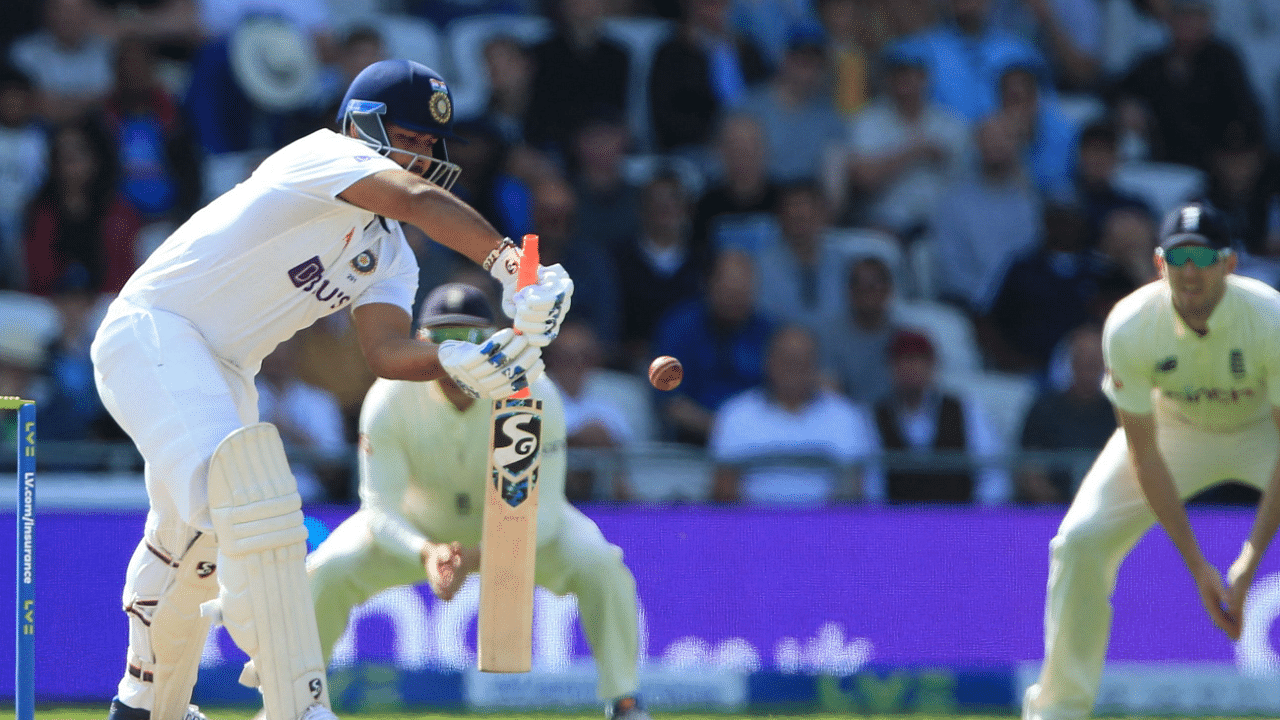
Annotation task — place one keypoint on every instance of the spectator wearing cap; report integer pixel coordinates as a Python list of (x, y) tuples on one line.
[(795, 108), (1183, 97), (965, 54), (578, 71), (904, 148), (704, 69), (790, 440), (918, 416), (1045, 134)]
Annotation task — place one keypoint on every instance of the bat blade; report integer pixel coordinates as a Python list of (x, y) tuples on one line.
[(509, 537)]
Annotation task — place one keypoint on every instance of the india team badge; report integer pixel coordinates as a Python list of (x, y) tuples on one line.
[(441, 106), (365, 262)]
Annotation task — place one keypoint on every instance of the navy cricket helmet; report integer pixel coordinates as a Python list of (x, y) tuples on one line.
[(407, 94)]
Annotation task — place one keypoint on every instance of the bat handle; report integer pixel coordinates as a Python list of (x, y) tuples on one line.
[(527, 275)]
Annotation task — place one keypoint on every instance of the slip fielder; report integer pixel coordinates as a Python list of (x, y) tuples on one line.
[(1193, 371), (424, 451)]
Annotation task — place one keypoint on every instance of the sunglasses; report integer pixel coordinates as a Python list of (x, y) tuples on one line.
[(1199, 255), (466, 334)]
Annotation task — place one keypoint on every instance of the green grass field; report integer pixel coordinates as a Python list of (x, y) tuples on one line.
[(243, 713), (82, 713)]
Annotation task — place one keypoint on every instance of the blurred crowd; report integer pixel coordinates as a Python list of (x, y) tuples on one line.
[(864, 226)]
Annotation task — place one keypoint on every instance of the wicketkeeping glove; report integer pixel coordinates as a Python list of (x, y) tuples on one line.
[(495, 368), (540, 309)]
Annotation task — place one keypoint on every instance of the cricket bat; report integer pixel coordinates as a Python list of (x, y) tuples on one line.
[(509, 537)]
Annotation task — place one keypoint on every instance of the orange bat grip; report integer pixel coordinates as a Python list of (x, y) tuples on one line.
[(527, 275)]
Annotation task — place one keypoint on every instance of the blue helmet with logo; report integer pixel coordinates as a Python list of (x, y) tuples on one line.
[(407, 94)]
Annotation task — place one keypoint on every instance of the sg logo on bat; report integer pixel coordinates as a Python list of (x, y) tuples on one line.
[(517, 439)]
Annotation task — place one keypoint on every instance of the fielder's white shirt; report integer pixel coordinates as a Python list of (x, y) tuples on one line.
[(1222, 381), (423, 465), (279, 251)]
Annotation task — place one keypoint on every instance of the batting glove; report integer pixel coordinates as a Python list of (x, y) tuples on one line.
[(497, 368), (504, 265), (540, 309)]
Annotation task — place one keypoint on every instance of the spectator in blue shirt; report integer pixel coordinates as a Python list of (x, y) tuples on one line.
[(720, 339)]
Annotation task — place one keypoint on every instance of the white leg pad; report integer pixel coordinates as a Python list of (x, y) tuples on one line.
[(266, 601), (167, 632)]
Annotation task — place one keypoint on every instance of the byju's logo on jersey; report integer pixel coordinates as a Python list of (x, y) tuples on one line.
[(308, 277)]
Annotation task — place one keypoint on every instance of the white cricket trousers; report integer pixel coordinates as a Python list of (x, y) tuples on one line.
[(1107, 518), (350, 567), (176, 400)]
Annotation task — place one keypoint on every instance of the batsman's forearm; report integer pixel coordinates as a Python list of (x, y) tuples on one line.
[(406, 359), (454, 224)]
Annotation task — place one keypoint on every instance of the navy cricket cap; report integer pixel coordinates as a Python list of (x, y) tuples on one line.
[(455, 304), (416, 97), (1197, 223)]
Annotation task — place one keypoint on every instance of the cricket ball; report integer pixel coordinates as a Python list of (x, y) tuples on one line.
[(665, 372)]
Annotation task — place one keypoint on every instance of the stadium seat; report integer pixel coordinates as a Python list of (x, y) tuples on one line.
[(466, 38), (950, 330), (1162, 185), (669, 472), (1005, 397), (641, 36)]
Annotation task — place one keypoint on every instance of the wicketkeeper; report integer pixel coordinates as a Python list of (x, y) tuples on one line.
[(424, 450)]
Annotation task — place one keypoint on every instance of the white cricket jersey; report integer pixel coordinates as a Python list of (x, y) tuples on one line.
[(1221, 381), (279, 251), (423, 464)]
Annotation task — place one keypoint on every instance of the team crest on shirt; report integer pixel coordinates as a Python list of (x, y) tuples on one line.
[(365, 262), (1167, 365), (1237, 363)]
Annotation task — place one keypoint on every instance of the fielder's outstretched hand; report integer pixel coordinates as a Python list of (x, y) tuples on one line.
[(447, 566), (1217, 602), (494, 369)]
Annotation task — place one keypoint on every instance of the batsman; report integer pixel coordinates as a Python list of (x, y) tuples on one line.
[(315, 230), (424, 450)]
